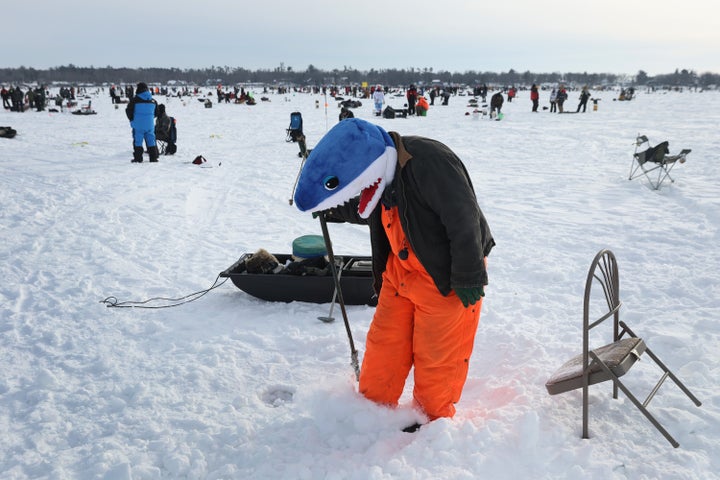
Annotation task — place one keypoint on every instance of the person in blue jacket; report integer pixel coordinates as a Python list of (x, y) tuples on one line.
[(141, 111)]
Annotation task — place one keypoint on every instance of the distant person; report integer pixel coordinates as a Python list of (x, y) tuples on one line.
[(17, 97), (562, 95), (511, 94), (534, 97), (165, 130), (433, 93), (445, 96), (378, 98), (496, 103), (553, 101), (30, 97), (584, 97), (411, 99), (422, 106), (40, 98), (141, 113), (5, 97)]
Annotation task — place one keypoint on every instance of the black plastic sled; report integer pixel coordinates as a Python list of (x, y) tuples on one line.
[(355, 280)]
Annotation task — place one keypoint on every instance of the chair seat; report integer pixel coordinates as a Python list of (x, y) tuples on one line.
[(619, 356)]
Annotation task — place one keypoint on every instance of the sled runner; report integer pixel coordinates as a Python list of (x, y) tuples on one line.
[(305, 280)]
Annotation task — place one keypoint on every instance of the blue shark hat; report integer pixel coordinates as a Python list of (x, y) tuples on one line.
[(354, 157)]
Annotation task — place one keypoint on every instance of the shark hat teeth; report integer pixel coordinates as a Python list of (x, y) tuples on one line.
[(370, 195), (352, 156)]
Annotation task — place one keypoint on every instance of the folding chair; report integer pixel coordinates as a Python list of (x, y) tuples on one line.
[(647, 159), (613, 360)]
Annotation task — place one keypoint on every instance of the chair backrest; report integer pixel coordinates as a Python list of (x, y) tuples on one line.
[(296, 121), (295, 130), (603, 301), (654, 154)]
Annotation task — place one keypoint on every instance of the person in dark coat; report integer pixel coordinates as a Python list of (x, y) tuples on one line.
[(165, 130), (5, 97), (534, 97), (496, 103), (562, 95), (429, 242), (411, 95), (16, 97), (141, 113), (584, 97)]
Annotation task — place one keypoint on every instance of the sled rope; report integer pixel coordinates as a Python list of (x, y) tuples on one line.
[(112, 302)]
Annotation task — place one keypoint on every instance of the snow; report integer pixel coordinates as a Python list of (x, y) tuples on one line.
[(234, 387)]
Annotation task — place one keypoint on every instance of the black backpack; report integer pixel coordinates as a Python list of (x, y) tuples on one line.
[(389, 112)]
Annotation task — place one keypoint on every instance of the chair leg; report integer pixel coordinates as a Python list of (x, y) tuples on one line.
[(645, 412), (585, 433), (672, 376), (636, 402), (664, 368)]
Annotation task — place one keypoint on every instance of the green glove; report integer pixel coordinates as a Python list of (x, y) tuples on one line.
[(469, 296)]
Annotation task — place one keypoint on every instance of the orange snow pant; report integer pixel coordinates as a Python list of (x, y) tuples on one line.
[(416, 326)]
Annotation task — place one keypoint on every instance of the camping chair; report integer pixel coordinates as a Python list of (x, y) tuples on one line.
[(295, 134), (611, 361), (295, 130), (647, 159)]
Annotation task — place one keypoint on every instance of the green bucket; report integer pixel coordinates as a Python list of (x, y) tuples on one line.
[(309, 246)]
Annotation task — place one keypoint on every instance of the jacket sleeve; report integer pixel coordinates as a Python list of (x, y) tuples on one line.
[(130, 109)]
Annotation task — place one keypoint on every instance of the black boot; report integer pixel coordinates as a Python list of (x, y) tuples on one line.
[(137, 155), (154, 154)]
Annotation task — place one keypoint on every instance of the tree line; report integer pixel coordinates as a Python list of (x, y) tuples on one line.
[(287, 76)]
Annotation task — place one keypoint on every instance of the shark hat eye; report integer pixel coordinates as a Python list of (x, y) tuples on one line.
[(331, 182)]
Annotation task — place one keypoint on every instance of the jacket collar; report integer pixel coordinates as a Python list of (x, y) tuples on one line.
[(403, 156)]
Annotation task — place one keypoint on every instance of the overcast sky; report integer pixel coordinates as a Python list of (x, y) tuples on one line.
[(611, 36)]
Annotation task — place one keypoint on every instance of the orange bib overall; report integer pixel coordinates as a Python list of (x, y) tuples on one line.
[(415, 325)]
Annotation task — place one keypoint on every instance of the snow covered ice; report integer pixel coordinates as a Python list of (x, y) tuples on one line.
[(233, 387)]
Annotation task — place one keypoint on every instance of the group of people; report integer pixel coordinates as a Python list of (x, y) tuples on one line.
[(560, 95), (416, 101), (15, 100), (417, 104), (237, 95)]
